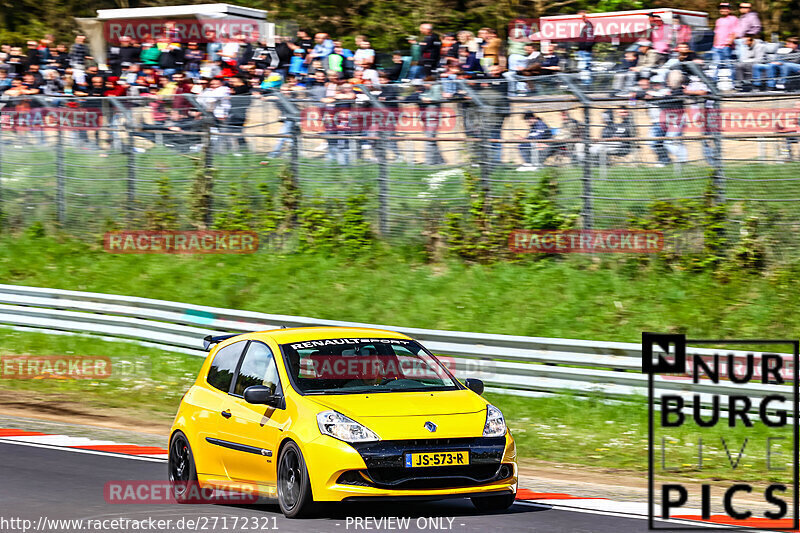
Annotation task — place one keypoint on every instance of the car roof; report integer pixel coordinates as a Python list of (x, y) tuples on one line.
[(289, 335)]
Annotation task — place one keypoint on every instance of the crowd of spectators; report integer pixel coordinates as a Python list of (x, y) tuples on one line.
[(222, 70)]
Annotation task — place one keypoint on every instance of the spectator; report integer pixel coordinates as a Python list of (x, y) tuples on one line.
[(213, 46), (749, 24), (585, 46), (33, 56), (516, 48), (649, 94), (193, 57), (5, 81), (52, 86), (648, 59), (60, 57), (395, 72), (725, 33), (625, 77), (150, 54), (661, 37), (752, 53), (493, 50), (532, 150), (430, 50), (468, 62), (323, 48), (303, 41), (416, 72), (79, 53), (298, 67), (787, 64), (364, 57), (622, 129)]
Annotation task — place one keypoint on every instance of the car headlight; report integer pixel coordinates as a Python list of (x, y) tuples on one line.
[(338, 426), (495, 423)]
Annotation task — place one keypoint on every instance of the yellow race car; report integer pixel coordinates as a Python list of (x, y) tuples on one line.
[(325, 414)]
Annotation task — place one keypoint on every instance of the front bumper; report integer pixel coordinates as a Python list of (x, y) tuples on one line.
[(377, 470)]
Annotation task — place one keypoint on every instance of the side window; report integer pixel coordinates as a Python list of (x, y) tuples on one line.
[(223, 367), (258, 368)]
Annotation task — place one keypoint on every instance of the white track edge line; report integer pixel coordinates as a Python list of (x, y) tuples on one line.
[(79, 450)]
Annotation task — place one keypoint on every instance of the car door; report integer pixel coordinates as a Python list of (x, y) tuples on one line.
[(250, 433), (209, 404)]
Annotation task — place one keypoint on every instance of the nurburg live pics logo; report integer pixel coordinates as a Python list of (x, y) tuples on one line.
[(664, 354)]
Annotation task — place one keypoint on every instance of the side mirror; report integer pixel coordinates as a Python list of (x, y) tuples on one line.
[(261, 394), (475, 385)]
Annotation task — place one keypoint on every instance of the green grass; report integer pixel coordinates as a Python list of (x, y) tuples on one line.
[(145, 383), (607, 299)]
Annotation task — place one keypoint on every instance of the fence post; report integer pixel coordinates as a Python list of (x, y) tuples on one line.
[(131, 181), (383, 184), (295, 162), (587, 210), (718, 178), (475, 120), (208, 165), (61, 208)]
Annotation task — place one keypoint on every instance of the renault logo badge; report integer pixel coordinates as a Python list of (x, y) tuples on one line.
[(430, 426)]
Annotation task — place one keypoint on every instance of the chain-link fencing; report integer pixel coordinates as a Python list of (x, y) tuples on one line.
[(612, 146)]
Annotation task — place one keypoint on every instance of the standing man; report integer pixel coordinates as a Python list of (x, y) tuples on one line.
[(431, 48), (749, 23), (585, 47), (725, 29)]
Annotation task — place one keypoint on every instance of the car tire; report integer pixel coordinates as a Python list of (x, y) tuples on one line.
[(493, 503), (294, 487), (180, 467)]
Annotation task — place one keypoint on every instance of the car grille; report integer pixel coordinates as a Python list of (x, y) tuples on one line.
[(385, 461)]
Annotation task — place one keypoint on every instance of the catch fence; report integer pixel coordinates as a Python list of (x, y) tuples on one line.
[(92, 164)]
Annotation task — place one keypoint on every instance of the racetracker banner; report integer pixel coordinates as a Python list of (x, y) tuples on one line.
[(185, 30), (51, 118)]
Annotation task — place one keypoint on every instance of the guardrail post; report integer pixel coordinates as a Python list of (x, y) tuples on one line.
[(61, 208)]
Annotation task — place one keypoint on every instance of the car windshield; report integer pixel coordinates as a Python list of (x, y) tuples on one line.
[(344, 366)]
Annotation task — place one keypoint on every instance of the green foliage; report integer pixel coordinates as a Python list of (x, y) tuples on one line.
[(482, 234), (163, 213), (239, 215), (694, 230), (201, 195), (36, 230), (328, 227)]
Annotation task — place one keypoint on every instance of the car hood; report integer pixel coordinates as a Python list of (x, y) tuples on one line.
[(398, 404), (402, 415)]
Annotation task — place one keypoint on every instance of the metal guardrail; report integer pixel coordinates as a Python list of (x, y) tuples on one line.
[(508, 364)]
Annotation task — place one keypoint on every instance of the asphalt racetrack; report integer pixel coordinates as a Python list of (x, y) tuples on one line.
[(45, 484)]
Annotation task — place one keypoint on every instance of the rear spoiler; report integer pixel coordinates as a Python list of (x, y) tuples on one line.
[(210, 340)]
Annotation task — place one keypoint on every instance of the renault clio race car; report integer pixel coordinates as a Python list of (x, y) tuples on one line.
[(339, 414)]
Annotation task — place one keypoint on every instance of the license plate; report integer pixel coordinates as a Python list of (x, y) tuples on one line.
[(415, 460)]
